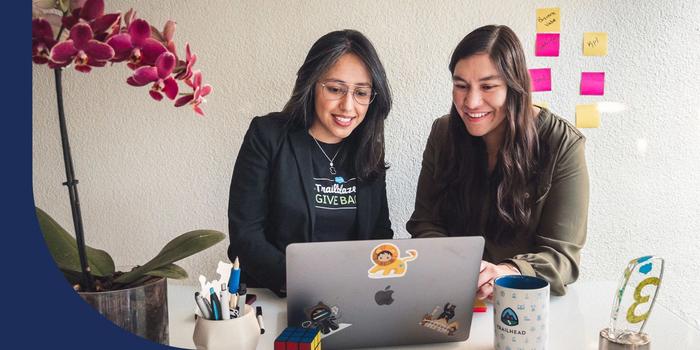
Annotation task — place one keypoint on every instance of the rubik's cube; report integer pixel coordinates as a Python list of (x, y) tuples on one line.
[(297, 338)]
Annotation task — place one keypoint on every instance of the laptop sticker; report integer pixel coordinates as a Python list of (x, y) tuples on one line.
[(440, 321), (387, 261), (324, 318)]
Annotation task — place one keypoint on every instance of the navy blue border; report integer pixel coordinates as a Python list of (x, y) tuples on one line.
[(44, 311)]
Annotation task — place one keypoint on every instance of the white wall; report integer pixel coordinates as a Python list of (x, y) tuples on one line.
[(149, 171)]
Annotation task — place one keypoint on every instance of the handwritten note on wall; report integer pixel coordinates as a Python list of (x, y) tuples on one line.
[(587, 116), (593, 83), (595, 44), (548, 20), (541, 79), (547, 44)]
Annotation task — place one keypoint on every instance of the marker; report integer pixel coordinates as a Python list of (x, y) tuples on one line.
[(235, 277), (241, 299), (215, 305), (258, 314), (225, 299), (199, 299)]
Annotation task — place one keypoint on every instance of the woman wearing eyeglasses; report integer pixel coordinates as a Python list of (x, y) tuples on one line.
[(315, 171), (499, 167)]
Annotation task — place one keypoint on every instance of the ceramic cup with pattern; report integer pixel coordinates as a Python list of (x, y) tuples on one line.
[(521, 310)]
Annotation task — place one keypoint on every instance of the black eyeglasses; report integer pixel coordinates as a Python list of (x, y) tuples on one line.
[(334, 90)]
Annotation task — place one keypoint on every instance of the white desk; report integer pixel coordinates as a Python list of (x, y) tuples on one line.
[(574, 323)]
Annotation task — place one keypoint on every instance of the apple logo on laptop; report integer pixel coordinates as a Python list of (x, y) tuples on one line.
[(384, 296)]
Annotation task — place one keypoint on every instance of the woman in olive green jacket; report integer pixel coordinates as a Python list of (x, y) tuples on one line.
[(501, 168)]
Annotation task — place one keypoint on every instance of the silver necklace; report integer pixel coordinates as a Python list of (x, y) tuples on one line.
[(331, 168)]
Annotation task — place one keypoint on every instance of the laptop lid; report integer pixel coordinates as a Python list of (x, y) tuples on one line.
[(384, 292)]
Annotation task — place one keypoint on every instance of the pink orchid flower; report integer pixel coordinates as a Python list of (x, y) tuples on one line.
[(185, 68), (159, 76), (197, 97), (92, 12), (42, 40), (82, 49), (136, 45)]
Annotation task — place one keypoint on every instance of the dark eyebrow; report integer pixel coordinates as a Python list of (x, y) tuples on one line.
[(346, 83), (490, 77)]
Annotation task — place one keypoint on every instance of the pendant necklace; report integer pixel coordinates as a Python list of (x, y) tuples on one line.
[(331, 168)]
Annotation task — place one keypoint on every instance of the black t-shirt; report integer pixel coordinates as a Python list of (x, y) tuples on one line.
[(335, 195)]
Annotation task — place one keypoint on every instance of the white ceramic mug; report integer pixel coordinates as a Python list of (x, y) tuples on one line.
[(237, 333), (521, 312)]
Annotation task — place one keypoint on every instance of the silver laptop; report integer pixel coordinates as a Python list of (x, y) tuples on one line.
[(384, 292)]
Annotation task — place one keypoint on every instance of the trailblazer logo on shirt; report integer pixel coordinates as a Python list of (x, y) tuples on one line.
[(336, 193)]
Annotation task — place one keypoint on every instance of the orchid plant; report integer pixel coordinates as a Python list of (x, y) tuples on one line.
[(79, 33)]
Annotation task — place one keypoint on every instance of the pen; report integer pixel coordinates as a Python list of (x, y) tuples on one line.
[(258, 314), (208, 305), (233, 303), (225, 298), (215, 305), (235, 277), (241, 299), (202, 305)]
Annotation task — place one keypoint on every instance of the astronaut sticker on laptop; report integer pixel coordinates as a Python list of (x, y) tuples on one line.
[(324, 318), (387, 261), (440, 321)]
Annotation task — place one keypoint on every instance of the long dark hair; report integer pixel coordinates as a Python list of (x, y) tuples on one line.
[(464, 164), (367, 140)]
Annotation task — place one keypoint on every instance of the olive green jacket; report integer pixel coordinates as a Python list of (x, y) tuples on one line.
[(557, 230)]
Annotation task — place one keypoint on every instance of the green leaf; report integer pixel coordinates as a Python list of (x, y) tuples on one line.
[(64, 249), (179, 248), (170, 271)]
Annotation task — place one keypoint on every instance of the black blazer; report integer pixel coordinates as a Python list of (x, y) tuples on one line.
[(271, 201)]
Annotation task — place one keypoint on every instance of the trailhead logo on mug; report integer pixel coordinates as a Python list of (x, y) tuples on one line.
[(509, 317), (521, 307)]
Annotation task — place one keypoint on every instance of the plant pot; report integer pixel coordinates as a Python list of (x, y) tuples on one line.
[(141, 310)]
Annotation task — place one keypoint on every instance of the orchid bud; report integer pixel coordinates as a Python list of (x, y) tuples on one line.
[(169, 30), (129, 16)]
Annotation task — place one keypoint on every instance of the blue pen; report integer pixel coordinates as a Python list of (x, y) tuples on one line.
[(235, 277), (215, 305)]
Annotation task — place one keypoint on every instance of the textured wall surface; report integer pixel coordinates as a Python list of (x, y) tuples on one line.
[(149, 171)]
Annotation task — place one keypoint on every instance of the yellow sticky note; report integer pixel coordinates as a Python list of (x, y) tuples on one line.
[(548, 20), (587, 116), (595, 44), (541, 104)]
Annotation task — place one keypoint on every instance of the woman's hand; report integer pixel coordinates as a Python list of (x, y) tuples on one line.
[(488, 273)]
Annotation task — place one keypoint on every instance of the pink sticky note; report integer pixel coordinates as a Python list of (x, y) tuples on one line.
[(592, 83), (547, 44), (541, 79)]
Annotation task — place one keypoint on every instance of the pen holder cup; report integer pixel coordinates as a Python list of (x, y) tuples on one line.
[(237, 333)]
